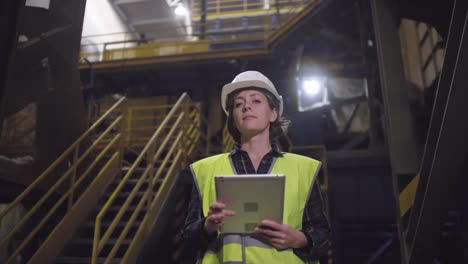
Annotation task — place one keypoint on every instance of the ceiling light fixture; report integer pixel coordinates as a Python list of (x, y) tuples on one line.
[(180, 10)]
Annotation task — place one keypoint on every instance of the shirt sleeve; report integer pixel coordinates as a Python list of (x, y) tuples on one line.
[(193, 232), (315, 226)]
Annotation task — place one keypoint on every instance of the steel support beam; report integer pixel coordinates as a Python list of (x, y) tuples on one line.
[(203, 19), (124, 2), (364, 18), (144, 22), (399, 127), (351, 118), (449, 155), (445, 78), (399, 130), (382, 249)]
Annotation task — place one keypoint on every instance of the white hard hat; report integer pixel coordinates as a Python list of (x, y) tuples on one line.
[(249, 79)]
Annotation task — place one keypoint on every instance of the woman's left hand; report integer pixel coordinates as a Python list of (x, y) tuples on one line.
[(281, 236)]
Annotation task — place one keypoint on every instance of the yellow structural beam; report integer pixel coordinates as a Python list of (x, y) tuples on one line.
[(157, 49), (178, 58), (407, 196)]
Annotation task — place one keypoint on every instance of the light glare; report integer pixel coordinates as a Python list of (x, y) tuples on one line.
[(180, 10), (312, 87)]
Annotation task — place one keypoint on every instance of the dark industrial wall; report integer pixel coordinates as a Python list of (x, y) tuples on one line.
[(9, 10), (43, 70), (362, 208)]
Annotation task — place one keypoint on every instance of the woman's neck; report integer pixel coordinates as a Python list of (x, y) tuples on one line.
[(257, 143), (257, 147)]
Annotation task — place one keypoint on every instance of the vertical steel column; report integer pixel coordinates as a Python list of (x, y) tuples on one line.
[(363, 17), (399, 126), (451, 52), (9, 16), (450, 146), (395, 92), (203, 20)]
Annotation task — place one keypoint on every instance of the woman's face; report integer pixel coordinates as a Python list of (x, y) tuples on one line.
[(252, 113)]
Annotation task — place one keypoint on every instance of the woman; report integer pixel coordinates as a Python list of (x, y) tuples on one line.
[(254, 109)]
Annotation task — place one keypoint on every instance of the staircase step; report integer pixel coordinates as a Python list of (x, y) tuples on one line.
[(122, 197), (79, 260), (83, 247), (138, 169), (131, 208), (106, 224), (89, 241), (133, 182), (125, 194), (88, 228)]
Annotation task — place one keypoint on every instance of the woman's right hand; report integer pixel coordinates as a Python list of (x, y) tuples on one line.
[(215, 218)]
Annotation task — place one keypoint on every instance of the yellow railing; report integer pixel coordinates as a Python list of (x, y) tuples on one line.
[(66, 179), (169, 149), (142, 117), (142, 121), (222, 8), (231, 32)]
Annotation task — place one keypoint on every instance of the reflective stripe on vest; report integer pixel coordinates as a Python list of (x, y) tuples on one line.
[(300, 173)]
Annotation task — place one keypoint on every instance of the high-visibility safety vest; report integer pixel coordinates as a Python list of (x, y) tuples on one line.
[(300, 173)]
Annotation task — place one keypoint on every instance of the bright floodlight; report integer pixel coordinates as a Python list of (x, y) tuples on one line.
[(180, 10), (312, 86)]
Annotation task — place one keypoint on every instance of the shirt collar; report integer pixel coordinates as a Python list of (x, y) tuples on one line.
[(275, 150)]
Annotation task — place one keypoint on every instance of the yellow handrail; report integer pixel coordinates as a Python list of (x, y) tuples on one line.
[(184, 135), (139, 125), (58, 160), (62, 199), (234, 5), (72, 161), (125, 205)]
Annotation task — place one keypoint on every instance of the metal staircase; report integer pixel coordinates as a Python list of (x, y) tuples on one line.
[(100, 204), (75, 181), (80, 248)]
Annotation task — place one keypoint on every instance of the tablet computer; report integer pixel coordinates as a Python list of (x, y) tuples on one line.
[(254, 197)]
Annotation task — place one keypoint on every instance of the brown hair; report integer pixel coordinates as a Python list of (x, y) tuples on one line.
[(277, 127)]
